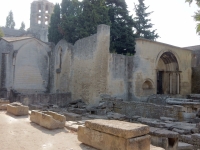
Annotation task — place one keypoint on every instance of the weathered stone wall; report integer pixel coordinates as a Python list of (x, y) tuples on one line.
[(31, 67), (61, 66), (82, 69), (143, 109), (24, 65), (120, 76), (61, 99), (196, 80), (146, 60)]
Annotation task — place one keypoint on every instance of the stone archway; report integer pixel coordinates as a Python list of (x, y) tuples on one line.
[(168, 74)]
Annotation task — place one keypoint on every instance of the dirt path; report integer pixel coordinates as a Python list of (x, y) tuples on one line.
[(18, 133)]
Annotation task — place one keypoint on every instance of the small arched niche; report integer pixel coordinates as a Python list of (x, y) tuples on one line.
[(147, 85)]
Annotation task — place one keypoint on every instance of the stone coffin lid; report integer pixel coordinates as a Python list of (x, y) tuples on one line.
[(163, 133), (118, 128)]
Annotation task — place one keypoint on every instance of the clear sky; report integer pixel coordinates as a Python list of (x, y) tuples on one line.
[(172, 18)]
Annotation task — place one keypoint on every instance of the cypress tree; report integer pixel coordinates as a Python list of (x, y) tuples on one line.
[(142, 23), (69, 26), (54, 34), (10, 23), (22, 26), (122, 37)]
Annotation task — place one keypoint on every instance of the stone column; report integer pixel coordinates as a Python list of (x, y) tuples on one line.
[(170, 82), (178, 83)]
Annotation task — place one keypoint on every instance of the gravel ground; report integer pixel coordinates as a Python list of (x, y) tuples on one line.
[(18, 133)]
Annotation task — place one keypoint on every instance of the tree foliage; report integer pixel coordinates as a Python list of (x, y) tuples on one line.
[(122, 38), (22, 26), (196, 15), (80, 19), (1, 33), (70, 24), (54, 34), (142, 23), (10, 23)]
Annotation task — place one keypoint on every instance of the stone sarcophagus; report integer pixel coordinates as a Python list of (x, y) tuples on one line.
[(3, 104), (17, 109), (48, 119), (113, 134)]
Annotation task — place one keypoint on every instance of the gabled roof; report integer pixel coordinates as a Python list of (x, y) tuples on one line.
[(194, 48), (160, 43), (13, 39)]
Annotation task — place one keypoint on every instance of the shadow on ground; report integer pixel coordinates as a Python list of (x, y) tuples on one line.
[(47, 131), (86, 147), (17, 117)]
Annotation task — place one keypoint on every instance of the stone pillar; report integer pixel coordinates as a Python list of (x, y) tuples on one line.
[(170, 82), (178, 83)]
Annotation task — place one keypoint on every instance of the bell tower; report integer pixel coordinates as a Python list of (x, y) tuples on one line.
[(41, 11)]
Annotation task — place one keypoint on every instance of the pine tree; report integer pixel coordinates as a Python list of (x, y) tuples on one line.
[(54, 34), (1, 33), (22, 26), (69, 25), (142, 23), (10, 23), (95, 12), (122, 37), (196, 15), (80, 19)]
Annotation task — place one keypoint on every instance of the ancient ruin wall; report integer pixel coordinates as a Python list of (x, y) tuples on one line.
[(31, 67), (61, 64), (196, 80), (90, 65), (146, 60), (120, 76)]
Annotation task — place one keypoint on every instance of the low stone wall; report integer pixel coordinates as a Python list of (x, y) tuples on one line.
[(60, 99), (148, 110)]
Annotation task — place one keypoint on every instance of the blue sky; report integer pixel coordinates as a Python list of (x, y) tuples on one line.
[(172, 18)]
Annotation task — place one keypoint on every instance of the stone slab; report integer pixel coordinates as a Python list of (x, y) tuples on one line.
[(185, 146), (118, 128), (17, 109), (3, 107), (163, 133), (72, 116), (104, 141), (48, 119)]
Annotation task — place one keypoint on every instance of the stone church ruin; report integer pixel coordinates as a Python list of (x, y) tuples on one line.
[(158, 86)]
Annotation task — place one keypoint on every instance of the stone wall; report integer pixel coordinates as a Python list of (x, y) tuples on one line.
[(147, 61), (196, 80), (120, 76), (82, 69), (61, 99), (31, 65), (147, 110)]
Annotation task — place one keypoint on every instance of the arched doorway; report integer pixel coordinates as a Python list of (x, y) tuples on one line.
[(168, 74)]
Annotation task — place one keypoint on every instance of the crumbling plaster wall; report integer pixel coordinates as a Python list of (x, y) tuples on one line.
[(120, 76), (6, 48), (146, 60), (31, 66), (62, 60), (84, 66)]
